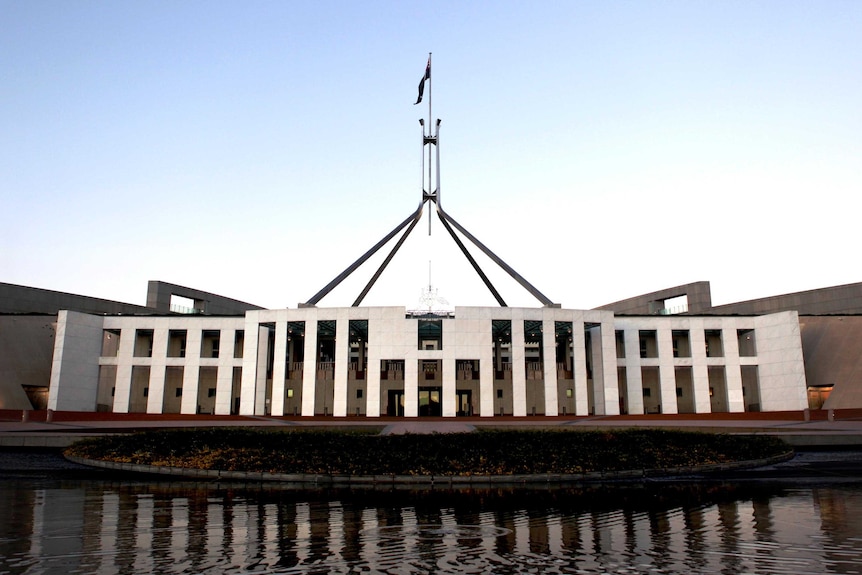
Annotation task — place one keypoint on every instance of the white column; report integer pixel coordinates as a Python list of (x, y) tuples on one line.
[(449, 405), (580, 368), (599, 396), (486, 371), (549, 367), (519, 369), (605, 368), (125, 359), (666, 371), (260, 383), (224, 378), (699, 369), (309, 369), (411, 382), (733, 371), (278, 369), (634, 377), (342, 357), (156, 391), (191, 372), (249, 365), (372, 374)]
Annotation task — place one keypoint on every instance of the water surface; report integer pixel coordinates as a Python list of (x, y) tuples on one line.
[(69, 527)]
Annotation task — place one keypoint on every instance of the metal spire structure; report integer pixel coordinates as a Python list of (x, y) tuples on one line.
[(430, 195)]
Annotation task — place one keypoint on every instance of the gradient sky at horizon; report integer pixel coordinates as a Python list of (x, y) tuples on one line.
[(602, 149)]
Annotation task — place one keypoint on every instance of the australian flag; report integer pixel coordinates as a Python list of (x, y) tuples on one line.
[(427, 76)]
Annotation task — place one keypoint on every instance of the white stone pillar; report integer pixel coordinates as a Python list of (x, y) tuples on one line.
[(279, 369), (699, 368), (605, 366), (309, 368), (125, 359), (224, 378), (519, 368), (448, 399), (486, 369), (251, 342), (156, 391), (372, 374), (733, 371), (634, 376), (549, 367), (411, 382), (191, 372), (342, 358), (666, 370), (579, 342)]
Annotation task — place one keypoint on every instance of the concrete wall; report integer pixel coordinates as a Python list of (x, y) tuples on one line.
[(831, 346), (843, 299), (159, 299), (75, 367), (26, 349), (23, 299), (159, 379), (699, 300)]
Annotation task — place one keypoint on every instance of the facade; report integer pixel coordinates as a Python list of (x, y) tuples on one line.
[(378, 361)]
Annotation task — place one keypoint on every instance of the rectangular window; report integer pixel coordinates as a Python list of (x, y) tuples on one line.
[(238, 343), (430, 333), (621, 343), (146, 392), (648, 343), (143, 343), (179, 392), (211, 392), (289, 392), (177, 343), (358, 394), (499, 394), (210, 343), (110, 342), (714, 347), (681, 343), (747, 347)]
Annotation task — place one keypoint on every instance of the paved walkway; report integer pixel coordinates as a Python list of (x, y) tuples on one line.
[(841, 428)]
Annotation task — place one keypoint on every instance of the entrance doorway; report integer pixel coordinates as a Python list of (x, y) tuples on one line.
[(429, 402), (464, 397)]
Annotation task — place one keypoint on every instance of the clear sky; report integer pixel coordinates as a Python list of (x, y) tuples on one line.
[(602, 149)]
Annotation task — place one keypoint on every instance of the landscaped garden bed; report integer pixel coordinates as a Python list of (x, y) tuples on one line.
[(486, 453)]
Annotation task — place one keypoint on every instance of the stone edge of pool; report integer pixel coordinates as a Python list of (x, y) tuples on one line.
[(321, 480)]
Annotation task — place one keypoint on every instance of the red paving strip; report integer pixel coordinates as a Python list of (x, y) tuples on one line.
[(41, 416)]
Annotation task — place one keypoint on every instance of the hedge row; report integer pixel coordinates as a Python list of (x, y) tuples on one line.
[(481, 453)]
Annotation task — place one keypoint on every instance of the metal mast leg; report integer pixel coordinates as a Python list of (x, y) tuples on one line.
[(515, 275), (388, 259), (472, 261), (341, 277)]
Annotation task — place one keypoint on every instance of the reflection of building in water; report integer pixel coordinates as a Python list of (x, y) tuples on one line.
[(151, 530)]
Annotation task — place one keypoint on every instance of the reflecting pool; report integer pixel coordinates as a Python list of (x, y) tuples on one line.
[(67, 527)]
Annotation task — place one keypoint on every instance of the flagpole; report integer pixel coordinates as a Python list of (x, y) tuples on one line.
[(430, 189)]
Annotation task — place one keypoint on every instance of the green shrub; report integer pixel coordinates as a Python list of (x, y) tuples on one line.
[(499, 452)]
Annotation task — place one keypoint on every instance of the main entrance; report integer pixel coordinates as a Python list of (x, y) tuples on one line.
[(429, 402)]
